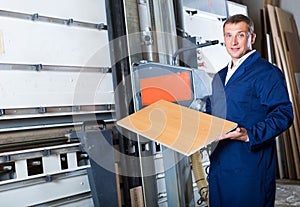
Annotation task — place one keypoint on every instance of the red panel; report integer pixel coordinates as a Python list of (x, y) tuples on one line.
[(173, 88)]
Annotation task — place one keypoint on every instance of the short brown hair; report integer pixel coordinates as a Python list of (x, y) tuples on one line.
[(240, 18)]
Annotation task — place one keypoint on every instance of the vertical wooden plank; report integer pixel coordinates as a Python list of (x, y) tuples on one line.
[(274, 32), (268, 47), (136, 196), (118, 185), (291, 172), (282, 160)]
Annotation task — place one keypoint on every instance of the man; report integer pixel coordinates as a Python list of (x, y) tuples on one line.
[(251, 92)]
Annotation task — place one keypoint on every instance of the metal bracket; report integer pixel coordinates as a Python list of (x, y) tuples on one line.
[(48, 178), (38, 67), (35, 17), (47, 152), (2, 112), (42, 110), (100, 26), (6, 158), (147, 37), (108, 106), (76, 108), (69, 21), (222, 19)]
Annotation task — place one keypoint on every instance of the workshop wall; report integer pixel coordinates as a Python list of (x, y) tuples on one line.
[(54, 67)]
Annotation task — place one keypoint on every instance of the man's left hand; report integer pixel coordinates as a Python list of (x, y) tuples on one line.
[(239, 133)]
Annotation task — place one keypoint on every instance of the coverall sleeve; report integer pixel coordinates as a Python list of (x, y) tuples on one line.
[(275, 101)]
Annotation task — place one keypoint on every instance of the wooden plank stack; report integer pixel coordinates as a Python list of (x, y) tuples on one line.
[(283, 46)]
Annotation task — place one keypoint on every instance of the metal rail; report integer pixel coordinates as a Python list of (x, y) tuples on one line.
[(37, 17), (9, 114), (41, 67)]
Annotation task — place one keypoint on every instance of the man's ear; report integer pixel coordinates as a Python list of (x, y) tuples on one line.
[(253, 37)]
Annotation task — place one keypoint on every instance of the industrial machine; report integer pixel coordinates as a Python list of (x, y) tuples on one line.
[(69, 69)]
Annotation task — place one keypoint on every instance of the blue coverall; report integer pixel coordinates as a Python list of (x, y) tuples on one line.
[(242, 174)]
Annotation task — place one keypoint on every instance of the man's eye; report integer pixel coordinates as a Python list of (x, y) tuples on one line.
[(241, 35)]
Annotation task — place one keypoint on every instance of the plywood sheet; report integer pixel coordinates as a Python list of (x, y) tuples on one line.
[(177, 127), (284, 20), (270, 2), (293, 47)]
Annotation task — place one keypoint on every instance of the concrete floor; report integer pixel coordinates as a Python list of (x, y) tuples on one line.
[(287, 193)]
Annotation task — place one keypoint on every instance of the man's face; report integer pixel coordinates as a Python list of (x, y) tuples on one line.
[(238, 39)]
